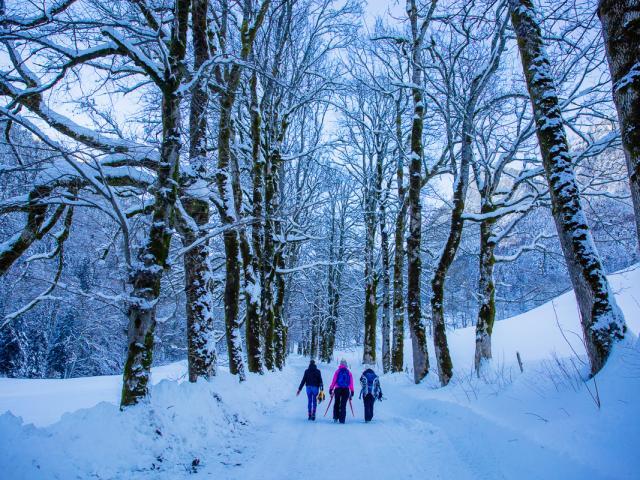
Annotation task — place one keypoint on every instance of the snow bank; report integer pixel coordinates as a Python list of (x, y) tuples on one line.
[(182, 427)]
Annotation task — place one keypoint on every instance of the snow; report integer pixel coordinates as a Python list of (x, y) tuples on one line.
[(542, 423), (535, 334)]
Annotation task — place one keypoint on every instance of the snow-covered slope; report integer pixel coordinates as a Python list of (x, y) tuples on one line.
[(543, 423), (550, 329)]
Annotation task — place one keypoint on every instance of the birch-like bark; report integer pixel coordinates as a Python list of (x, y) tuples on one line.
[(621, 32), (602, 321)]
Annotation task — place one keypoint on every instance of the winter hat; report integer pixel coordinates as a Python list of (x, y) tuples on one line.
[(312, 362), (343, 362)]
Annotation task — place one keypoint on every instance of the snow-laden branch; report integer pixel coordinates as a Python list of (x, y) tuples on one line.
[(534, 245), (308, 266)]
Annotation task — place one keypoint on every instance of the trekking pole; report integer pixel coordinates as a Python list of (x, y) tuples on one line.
[(351, 405), (330, 400)]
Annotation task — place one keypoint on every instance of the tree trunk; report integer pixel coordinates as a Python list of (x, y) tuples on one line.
[(229, 216), (268, 312), (253, 294), (370, 286), (386, 298), (621, 31), (279, 339), (201, 348), (443, 358), (602, 321), (386, 290), (146, 275), (251, 253), (487, 290), (414, 262), (397, 348)]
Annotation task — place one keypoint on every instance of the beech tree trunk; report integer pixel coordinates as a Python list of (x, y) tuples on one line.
[(621, 32), (201, 347), (268, 302), (397, 347), (251, 252), (146, 275), (370, 276), (386, 292), (384, 247), (280, 329), (414, 261), (229, 216), (602, 321), (443, 357), (147, 272), (487, 291)]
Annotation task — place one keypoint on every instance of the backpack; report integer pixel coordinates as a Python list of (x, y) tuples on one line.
[(343, 380), (370, 384)]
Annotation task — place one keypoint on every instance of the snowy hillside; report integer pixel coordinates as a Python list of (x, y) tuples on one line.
[(536, 334), (543, 423)]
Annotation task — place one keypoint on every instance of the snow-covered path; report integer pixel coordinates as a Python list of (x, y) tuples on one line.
[(409, 438)]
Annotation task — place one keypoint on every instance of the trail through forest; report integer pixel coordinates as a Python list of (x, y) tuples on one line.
[(407, 438)]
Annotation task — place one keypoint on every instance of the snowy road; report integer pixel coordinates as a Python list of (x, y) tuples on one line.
[(409, 438)]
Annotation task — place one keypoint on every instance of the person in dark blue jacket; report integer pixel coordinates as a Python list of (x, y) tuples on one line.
[(371, 391), (313, 380)]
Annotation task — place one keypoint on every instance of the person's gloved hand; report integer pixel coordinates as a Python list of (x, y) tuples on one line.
[(331, 392), (297, 393), (351, 396)]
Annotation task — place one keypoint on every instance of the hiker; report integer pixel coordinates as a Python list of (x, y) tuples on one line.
[(342, 387), (370, 392), (313, 379)]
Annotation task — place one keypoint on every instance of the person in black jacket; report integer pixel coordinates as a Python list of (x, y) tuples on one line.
[(313, 379)]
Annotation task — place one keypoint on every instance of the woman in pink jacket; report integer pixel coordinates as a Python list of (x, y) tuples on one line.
[(342, 388)]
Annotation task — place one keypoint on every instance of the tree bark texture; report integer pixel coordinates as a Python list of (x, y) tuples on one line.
[(621, 32), (602, 321)]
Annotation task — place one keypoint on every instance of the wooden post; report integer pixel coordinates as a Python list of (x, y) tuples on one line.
[(519, 362)]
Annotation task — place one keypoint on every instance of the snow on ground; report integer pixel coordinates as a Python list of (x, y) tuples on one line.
[(542, 423)]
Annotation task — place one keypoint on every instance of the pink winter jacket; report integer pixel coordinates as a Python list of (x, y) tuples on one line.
[(335, 379)]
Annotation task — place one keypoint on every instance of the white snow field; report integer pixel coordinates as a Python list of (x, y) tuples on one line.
[(543, 423)]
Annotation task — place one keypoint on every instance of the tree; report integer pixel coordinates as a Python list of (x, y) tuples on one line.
[(419, 23), (620, 33), (195, 211), (602, 321)]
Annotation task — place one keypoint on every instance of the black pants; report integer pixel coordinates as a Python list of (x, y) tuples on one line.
[(341, 396), (369, 400)]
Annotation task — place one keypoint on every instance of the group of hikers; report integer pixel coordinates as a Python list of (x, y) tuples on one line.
[(341, 391)]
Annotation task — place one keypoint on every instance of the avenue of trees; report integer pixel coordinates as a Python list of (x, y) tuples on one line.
[(233, 181)]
